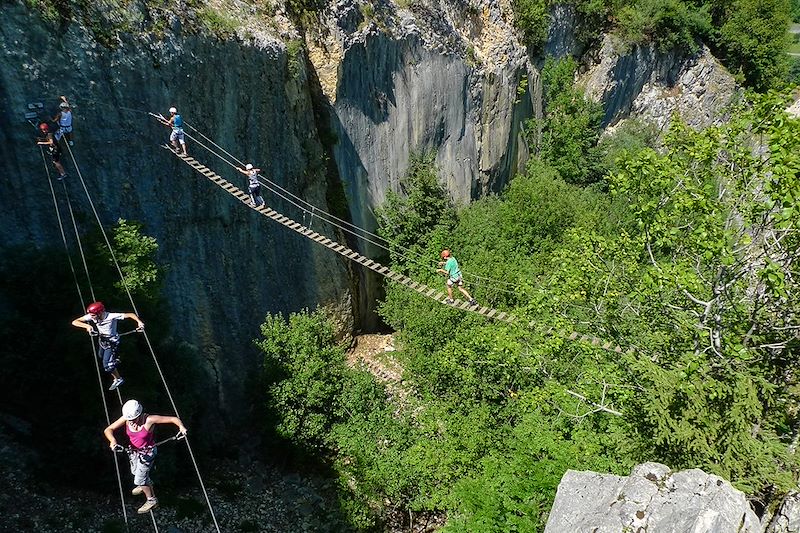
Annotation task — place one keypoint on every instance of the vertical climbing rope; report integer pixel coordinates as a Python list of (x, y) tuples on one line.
[(83, 306), (146, 337), (78, 239)]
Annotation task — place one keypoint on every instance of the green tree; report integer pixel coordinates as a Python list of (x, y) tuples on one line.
[(135, 254), (753, 40), (669, 24), (566, 138), (417, 218), (305, 372), (531, 18)]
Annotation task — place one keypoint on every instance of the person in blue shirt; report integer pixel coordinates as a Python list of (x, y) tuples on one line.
[(177, 136), (453, 273)]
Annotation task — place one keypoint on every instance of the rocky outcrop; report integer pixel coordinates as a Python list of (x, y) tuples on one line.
[(653, 85), (652, 498)]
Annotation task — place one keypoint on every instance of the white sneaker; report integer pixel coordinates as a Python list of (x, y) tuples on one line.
[(137, 490), (116, 383), (149, 504)]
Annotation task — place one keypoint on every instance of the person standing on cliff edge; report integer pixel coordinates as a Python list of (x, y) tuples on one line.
[(142, 451), (98, 321), (177, 136), (253, 186), (453, 273), (64, 120)]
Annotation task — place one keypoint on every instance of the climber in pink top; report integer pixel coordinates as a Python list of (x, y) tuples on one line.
[(142, 452)]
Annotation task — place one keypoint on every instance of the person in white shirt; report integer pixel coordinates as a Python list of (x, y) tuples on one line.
[(98, 321), (64, 121), (253, 186)]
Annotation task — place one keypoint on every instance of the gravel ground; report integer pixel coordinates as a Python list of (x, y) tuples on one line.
[(251, 497)]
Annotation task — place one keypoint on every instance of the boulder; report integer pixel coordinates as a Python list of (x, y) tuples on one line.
[(651, 499)]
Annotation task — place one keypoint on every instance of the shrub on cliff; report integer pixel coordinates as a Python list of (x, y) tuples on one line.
[(669, 24), (566, 137), (752, 41), (531, 18)]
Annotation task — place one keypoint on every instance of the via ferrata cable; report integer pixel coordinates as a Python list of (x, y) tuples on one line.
[(83, 306), (144, 332)]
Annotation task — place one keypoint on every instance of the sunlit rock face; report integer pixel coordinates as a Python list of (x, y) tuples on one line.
[(450, 78), (654, 86)]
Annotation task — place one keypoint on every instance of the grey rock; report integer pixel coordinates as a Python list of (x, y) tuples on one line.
[(561, 38), (652, 499), (787, 517), (653, 85)]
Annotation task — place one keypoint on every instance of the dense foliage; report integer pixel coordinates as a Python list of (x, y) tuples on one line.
[(688, 255), (566, 138)]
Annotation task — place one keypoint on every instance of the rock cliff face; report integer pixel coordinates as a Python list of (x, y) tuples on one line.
[(653, 86), (227, 266), (652, 498), (440, 77)]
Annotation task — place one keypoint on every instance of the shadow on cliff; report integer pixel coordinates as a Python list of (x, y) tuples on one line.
[(365, 285), (49, 383)]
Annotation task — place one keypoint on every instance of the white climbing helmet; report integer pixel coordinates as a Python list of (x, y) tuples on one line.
[(173, 110), (248, 166), (131, 410)]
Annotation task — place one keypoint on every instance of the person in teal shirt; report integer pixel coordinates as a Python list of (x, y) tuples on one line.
[(453, 273)]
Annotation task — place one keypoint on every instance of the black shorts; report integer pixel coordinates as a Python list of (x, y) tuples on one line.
[(56, 157)]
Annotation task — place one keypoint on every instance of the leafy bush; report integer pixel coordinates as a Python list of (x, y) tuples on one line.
[(752, 40), (531, 18), (217, 21), (135, 254), (793, 73), (669, 24), (416, 218), (628, 139)]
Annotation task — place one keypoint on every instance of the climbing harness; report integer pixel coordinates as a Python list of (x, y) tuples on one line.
[(119, 448)]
